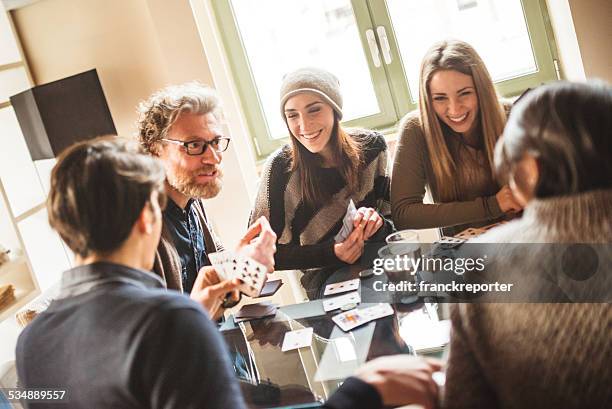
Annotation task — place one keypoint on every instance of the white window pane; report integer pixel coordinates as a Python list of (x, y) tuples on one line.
[(44, 168), (8, 237), (13, 81), (44, 248), (8, 47), (17, 171), (495, 28), (281, 36)]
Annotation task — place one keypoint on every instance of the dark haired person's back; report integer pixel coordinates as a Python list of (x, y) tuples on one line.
[(117, 339), (557, 154), (114, 337)]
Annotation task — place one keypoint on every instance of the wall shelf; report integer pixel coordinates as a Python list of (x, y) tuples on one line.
[(17, 273)]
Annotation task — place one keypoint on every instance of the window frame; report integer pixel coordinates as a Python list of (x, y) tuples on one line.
[(388, 80)]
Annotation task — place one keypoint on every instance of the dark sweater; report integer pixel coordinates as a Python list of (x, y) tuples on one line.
[(168, 264), (306, 234), (117, 339)]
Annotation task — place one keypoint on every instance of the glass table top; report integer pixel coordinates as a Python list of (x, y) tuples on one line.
[(272, 378)]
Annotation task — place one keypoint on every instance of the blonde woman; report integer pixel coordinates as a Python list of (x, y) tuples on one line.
[(447, 146)]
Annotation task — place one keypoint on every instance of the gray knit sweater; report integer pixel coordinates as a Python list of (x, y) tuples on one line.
[(537, 355)]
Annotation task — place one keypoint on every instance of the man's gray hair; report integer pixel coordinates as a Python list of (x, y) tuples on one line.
[(160, 111)]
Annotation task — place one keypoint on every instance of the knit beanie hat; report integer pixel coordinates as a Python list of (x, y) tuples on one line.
[(311, 79)]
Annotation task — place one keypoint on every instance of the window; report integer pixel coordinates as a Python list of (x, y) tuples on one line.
[(375, 48)]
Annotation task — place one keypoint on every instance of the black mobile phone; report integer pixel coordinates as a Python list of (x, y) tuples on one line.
[(270, 288)]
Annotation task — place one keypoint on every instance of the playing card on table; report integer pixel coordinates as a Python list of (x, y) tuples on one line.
[(470, 233), (230, 265), (297, 339), (342, 287), (377, 311), (354, 318), (451, 240), (347, 223), (334, 303)]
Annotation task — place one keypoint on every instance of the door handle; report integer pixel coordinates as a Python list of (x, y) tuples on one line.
[(373, 47), (384, 44)]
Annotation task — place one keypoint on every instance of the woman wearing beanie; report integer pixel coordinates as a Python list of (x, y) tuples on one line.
[(447, 146), (306, 186)]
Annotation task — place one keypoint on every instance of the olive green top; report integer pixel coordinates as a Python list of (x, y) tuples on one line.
[(412, 172)]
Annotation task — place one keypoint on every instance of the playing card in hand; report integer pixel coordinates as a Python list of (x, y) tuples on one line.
[(230, 265), (347, 223)]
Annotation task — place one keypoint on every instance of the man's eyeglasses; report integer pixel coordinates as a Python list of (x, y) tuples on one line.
[(194, 148)]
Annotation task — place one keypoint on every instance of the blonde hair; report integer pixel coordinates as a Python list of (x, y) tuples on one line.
[(458, 56), (162, 109)]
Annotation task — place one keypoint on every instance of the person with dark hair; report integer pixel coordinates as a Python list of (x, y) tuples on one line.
[(306, 185), (114, 337), (181, 125), (556, 154)]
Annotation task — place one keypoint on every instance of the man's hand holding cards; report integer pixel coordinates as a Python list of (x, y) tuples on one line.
[(259, 243), (231, 265)]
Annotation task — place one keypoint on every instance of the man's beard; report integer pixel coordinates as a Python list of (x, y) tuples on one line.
[(186, 184)]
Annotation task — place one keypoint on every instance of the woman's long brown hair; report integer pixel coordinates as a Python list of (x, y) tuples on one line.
[(458, 56), (347, 157)]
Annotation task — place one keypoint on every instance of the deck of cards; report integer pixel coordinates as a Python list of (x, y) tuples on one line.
[(356, 317), (230, 265), (347, 223)]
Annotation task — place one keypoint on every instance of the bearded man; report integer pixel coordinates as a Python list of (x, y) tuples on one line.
[(181, 125)]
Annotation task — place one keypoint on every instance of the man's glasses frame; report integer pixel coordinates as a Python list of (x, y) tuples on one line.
[(198, 146)]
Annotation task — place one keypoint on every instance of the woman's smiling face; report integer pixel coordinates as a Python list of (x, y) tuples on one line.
[(310, 120), (454, 99)]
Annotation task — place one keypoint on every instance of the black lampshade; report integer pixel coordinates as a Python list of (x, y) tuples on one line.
[(53, 116)]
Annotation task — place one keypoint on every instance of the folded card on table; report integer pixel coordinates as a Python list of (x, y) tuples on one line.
[(342, 287), (334, 303), (354, 318), (297, 339)]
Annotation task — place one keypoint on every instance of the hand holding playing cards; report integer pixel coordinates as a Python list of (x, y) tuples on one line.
[(369, 219), (210, 292), (402, 379), (259, 243), (350, 249)]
